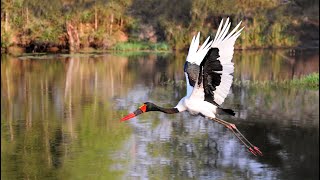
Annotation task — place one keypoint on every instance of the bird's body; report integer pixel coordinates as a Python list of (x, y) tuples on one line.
[(208, 70), (197, 106)]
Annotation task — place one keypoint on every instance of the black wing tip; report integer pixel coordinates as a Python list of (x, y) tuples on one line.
[(226, 111)]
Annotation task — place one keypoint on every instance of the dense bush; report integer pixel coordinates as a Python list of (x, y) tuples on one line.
[(268, 23)]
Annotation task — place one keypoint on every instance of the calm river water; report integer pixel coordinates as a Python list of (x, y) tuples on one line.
[(60, 119)]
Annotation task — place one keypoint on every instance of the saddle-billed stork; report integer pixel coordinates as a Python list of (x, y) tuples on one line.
[(208, 72)]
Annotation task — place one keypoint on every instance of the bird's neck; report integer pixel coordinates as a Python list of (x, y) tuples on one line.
[(165, 110)]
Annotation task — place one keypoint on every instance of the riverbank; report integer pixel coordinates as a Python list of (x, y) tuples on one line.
[(310, 81), (138, 48), (126, 25)]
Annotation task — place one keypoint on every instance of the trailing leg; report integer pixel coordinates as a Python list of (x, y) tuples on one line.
[(232, 127)]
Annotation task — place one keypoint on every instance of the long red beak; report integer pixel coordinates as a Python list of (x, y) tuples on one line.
[(137, 112)]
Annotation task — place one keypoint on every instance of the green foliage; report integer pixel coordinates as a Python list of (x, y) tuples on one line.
[(5, 40), (141, 46), (86, 16), (42, 31), (160, 46), (51, 35), (310, 81), (267, 23)]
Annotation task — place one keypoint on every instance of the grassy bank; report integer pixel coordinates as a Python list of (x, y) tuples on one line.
[(141, 46), (310, 81)]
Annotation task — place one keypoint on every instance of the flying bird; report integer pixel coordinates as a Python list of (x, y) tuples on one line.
[(208, 70)]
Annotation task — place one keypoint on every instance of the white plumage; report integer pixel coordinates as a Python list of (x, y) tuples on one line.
[(196, 54), (195, 96), (225, 44)]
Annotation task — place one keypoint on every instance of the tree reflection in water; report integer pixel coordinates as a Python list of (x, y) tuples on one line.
[(59, 119)]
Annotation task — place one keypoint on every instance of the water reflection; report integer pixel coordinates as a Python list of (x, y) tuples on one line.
[(59, 119), (274, 65)]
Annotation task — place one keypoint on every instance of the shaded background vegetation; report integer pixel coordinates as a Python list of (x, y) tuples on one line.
[(73, 25)]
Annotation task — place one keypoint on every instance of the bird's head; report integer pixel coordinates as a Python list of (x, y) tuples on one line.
[(145, 107)]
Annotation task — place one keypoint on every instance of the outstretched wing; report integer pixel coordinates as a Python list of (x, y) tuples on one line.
[(194, 58), (217, 66)]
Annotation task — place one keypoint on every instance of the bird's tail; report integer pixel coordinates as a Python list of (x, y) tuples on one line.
[(225, 111)]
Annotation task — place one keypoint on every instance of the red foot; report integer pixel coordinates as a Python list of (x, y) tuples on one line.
[(252, 151), (257, 150)]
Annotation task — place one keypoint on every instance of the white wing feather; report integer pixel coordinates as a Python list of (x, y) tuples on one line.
[(195, 54), (225, 44)]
